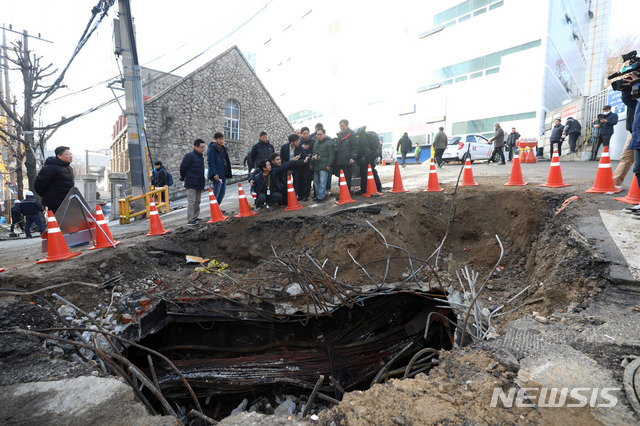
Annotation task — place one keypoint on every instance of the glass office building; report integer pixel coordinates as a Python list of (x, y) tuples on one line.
[(514, 60), (413, 66)]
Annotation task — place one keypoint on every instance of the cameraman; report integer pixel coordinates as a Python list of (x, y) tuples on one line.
[(635, 133), (626, 158)]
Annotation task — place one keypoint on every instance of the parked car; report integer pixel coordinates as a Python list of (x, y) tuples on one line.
[(477, 147), (389, 156)]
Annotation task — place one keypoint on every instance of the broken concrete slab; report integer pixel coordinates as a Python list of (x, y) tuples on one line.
[(80, 401), (561, 366)]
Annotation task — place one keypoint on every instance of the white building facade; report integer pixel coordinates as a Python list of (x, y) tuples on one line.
[(410, 66), (519, 60)]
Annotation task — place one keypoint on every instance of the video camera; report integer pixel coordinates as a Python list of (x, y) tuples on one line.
[(631, 69)]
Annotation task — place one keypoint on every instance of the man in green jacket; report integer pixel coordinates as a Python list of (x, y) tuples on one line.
[(440, 144), (321, 162)]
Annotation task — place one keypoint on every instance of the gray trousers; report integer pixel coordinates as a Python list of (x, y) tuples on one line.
[(193, 204)]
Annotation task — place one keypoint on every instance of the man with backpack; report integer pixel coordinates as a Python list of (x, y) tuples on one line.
[(161, 177), (369, 151), (573, 129)]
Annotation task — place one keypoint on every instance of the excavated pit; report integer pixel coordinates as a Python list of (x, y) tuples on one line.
[(318, 291), (260, 358)]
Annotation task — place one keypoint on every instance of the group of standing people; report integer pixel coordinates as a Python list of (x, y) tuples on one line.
[(192, 173), (602, 129), (309, 158)]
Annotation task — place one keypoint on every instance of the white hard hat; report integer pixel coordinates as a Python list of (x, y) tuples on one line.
[(28, 194), (16, 202)]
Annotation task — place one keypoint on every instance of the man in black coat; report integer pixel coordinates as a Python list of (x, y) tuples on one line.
[(556, 136), (293, 151), (31, 209), (192, 174), (55, 179), (347, 147), (16, 216), (512, 140), (261, 150), (159, 177), (573, 129), (404, 145)]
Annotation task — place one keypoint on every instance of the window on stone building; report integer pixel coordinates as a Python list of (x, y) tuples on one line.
[(232, 120)]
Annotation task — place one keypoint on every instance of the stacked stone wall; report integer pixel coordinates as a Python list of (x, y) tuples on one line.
[(195, 107)]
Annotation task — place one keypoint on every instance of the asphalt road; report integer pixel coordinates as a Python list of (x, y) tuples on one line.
[(415, 178)]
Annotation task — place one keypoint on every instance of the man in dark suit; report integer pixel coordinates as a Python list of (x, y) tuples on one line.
[(293, 151)]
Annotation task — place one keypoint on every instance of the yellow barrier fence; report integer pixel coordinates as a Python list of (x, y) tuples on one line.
[(126, 212)]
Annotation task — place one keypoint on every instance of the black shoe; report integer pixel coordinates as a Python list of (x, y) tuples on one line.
[(503, 164), (306, 199), (632, 209), (319, 201)]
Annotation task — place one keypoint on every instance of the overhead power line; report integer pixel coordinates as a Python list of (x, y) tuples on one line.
[(111, 101)]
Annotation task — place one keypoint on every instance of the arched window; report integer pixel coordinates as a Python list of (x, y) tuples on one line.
[(232, 120)]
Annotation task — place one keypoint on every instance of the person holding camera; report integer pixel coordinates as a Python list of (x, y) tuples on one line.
[(626, 157), (606, 123)]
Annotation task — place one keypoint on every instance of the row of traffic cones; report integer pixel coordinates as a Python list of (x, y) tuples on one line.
[(603, 183), (59, 251)]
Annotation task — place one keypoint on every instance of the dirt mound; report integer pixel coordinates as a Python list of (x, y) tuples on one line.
[(390, 240)]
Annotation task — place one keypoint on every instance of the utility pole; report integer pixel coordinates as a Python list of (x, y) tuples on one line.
[(137, 143)]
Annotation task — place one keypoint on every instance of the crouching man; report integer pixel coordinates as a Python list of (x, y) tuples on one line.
[(267, 186)]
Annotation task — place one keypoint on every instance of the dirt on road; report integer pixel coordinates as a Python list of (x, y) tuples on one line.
[(380, 239)]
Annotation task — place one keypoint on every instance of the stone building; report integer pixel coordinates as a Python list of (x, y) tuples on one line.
[(223, 95)]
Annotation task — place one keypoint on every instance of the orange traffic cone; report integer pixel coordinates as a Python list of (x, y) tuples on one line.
[(633, 197), (102, 240), (155, 224), (345, 197), (292, 199), (216, 213), (245, 210), (2, 269), (434, 185), (531, 158), (384, 162), (372, 189), (554, 180), (467, 177), (516, 173), (604, 176), (397, 181), (57, 249)]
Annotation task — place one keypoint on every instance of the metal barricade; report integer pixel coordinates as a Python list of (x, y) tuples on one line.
[(126, 212)]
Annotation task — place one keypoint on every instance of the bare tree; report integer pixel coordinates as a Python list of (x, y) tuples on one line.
[(20, 139), (619, 47)]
